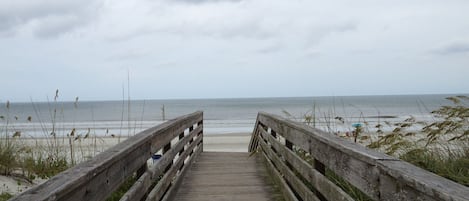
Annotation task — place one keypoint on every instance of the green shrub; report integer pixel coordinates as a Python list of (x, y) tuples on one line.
[(5, 196)]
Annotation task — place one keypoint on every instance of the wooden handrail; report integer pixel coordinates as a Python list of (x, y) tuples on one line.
[(179, 140), (379, 176)]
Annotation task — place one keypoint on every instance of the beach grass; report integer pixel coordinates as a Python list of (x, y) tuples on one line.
[(440, 146), (35, 157)]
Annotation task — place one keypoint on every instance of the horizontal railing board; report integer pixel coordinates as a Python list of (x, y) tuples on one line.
[(319, 181), (296, 132), (141, 186), (299, 187), (407, 175), (380, 176), (353, 162), (160, 189), (177, 183), (97, 178), (286, 191), (186, 122)]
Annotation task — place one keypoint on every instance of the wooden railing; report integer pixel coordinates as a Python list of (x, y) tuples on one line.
[(178, 140), (300, 156)]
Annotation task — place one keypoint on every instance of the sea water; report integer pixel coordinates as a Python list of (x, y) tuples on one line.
[(221, 116)]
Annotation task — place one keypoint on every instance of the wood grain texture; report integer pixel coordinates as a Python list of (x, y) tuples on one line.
[(380, 176), (296, 184), (226, 176), (96, 179), (141, 187), (319, 181)]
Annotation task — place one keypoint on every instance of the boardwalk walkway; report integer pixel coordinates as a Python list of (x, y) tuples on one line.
[(227, 177), (304, 162)]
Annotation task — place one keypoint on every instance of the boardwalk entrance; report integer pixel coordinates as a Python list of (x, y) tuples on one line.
[(227, 176), (167, 162)]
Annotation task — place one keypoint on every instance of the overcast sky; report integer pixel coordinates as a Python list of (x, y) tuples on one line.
[(231, 48)]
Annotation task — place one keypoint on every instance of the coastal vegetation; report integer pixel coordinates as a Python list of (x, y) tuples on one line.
[(440, 145), (31, 159), (54, 147)]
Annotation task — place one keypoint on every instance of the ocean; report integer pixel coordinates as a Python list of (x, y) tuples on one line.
[(221, 116)]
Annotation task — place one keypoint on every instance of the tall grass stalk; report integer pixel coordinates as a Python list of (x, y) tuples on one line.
[(440, 145)]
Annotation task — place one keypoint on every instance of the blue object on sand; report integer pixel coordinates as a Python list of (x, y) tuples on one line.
[(156, 156)]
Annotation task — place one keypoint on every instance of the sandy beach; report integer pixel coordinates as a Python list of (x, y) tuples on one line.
[(232, 142), (85, 148)]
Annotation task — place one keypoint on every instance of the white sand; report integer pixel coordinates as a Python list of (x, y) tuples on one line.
[(233, 142)]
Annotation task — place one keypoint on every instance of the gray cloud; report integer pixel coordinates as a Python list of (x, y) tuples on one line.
[(457, 47), (313, 34), (159, 39), (45, 18), (271, 48), (55, 26)]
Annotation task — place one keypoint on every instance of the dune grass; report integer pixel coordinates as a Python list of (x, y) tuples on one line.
[(44, 156), (440, 146), (35, 157)]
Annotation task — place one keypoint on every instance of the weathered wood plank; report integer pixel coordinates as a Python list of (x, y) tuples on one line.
[(319, 181), (351, 161), (400, 180), (254, 139), (95, 179), (160, 189), (177, 183), (298, 186), (141, 186), (379, 176), (226, 176), (286, 191)]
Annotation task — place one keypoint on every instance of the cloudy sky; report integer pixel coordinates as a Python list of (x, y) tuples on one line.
[(231, 48)]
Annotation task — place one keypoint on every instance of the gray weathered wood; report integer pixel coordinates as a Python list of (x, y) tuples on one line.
[(254, 140), (160, 189), (177, 183), (319, 181), (379, 176), (298, 186), (288, 194), (226, 176), (97, 178), (141, 186)]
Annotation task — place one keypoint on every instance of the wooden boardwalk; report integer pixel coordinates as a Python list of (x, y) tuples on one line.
[(227, 176), (295, 155)]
